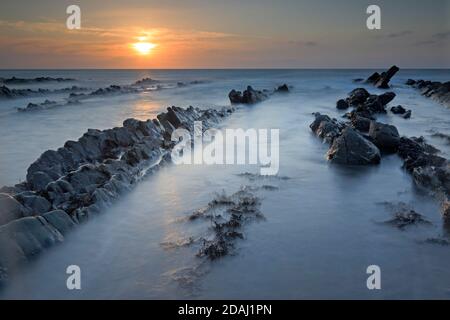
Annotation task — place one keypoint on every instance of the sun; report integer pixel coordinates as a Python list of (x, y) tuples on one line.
[(143, 48)]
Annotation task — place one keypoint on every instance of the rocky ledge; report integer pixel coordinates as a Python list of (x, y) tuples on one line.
[(67, 186), (438, 91)]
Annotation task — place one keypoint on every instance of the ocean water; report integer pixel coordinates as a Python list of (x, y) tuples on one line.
[(322, 226)]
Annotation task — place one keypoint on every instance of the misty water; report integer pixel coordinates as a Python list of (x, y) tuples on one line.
[(322, 223)]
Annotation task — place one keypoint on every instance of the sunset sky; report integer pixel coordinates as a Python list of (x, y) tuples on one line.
[(224, 34)]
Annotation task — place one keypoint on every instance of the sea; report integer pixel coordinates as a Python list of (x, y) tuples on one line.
[(323, 225)]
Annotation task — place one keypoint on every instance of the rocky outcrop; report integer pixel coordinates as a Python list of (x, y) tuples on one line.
[(382, 80), (350, 148), (15, 80), (325, 127), (249, 96), (438, 91), (282, 88), (364, 104), (428, 169), (68, 185)]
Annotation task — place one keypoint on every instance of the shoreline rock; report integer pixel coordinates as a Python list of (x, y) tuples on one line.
[(435, 90), (64, 187)]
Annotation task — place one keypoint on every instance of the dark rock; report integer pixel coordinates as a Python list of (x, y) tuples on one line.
[(24, 238), (36, 204), (357, 96), (10, 209), (342, 104), (435, 90), (282, 88), (410, 82), (249, 96), (360, 123), (60, 220), (351, 148), (384, 136), (382, 80), (386, 97), (398, 110), (407, 115)]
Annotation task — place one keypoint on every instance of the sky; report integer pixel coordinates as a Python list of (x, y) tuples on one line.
[(224, 34)]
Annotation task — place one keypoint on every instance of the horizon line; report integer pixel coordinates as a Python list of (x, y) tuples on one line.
[(237, 68)]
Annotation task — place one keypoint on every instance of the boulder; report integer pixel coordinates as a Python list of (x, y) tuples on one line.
[(318, 119), (384, 136), (35, 203), (360, 123), (59, 220), (351, 148), (10, 209), (357, 96), (342, 104), (386, 97), (24, 238)]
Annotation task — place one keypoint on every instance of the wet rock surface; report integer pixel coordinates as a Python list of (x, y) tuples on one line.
[(438, 91), (351, 148), (66, 186)]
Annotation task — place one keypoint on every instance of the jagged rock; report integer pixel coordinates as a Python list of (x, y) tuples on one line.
[(10, 209), (435, 90), (351, 148), (398, 110), (357, 96), (342, 104), (282, 88), (249, 96), (384, 136), (15, 80), (435, 178), (80, 178), (382, 81), (318, 119), (386, 97)]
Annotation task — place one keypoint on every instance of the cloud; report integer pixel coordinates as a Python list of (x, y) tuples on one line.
[(435, 39), (303, 43), (399, 34), (441, 35)]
